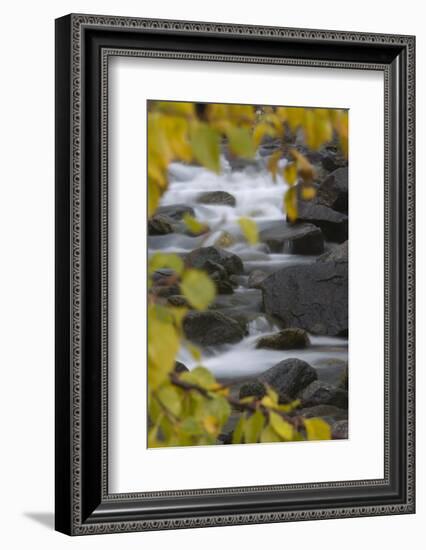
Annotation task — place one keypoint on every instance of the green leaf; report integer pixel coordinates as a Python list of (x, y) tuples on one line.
[(250, 230), (237, 435), (193, 350), (283, 428), (219, 407), (163, 345), (160, 260), (191, 426), (195, 226), (198, 288), (317, 428), (240, 142), (170, 398), (205, 146), (268, 435), (200, 376), (253, 427)]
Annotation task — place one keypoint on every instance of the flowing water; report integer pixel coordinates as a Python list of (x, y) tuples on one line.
[(260, 198)]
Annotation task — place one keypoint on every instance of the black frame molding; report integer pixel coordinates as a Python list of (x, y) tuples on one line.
[(84, 43)]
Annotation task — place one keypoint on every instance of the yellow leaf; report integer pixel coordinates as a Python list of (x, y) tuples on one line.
[(193, 350), (317, 428), (283, 428), (195, 226), (170, 398), (253, 427), (295, 117), (205, 146), (268, 435), (240, 142), (290, 173), (200, 376), (290, 203), (198, 288), (249, 229), (180, 108), (161, 260), (304, 168), (273, 163), (237, 434), (308, 192), (260, 131), (243, 115), (268, 402), (163, 345), (211, 425), (154, 195)]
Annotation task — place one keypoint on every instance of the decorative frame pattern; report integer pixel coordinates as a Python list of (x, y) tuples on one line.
[(86, 507)]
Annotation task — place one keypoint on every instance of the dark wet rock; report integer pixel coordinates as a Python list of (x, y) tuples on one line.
[(333, 224), (332, 158), (217, 197), (177, 300), (324, 411), (339, 254), (331, 370), (210, 328), (294, 239), (219, 276), (216, 270), (313, 297), (333, 191), (320, 393), (224, 287), (255, 278), (269, 145), (288, 338), (289, 377), (175, 211), (340, 430), (234, 280), (200, 256), (344, 379), (159, 225), (252, 389), (180, 367)]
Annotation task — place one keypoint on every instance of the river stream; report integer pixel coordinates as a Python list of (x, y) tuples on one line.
[(260, 198)]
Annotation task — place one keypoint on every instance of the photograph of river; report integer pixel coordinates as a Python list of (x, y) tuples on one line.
[(248, 274)]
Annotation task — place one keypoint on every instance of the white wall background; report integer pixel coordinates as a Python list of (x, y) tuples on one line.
[(27, 262)]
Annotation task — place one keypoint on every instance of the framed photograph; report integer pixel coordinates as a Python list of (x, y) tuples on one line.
[(234, 274)]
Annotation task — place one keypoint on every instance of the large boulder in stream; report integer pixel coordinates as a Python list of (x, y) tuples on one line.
[(321, 393), (217, 197), (294, 239), (288, 338), (212, 328), (201, 258), (159, 225), (333, 224), (175, 211), (289, 377), (333, 191), (311, 296)]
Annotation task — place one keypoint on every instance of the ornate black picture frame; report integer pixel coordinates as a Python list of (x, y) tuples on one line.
[(83, 45)]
